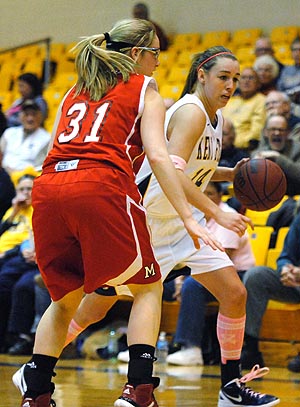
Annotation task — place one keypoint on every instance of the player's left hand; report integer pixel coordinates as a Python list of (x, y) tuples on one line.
[(238, 165)]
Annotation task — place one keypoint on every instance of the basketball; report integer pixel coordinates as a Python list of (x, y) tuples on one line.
[(260, 184)]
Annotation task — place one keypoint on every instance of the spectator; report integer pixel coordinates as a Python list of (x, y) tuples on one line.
[(267, 70), (230, 154), (278, 102), (191, 319), (277, 147), (246, 110), (17, 293), (30, 299), (140, 10), (263, 46), (289, 80), (264, 284), (25, 145), (30, 87), (14, 229)]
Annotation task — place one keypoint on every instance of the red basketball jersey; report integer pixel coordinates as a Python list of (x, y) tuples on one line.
[(106, 131)]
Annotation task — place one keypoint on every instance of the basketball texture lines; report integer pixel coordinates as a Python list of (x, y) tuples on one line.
[(260, 184)]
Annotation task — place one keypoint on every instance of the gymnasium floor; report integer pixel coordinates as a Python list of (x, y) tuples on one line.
[(94, 383)]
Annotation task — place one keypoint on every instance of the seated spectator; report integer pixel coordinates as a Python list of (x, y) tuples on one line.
[(246, 111), (276, 146), (140, 10), (15, 227), (282, 217), (289, 80), (267, 70), (25, 145), (263, 46), (17, 294), (230, 156), (194, 297), (278, 102), (29, 301), (264, 284), (30, 87), (7, 192)]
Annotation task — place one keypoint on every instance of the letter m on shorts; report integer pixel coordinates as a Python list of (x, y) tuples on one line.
[(149, 271)]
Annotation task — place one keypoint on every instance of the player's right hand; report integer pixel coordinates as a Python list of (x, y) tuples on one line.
[(198, 232)]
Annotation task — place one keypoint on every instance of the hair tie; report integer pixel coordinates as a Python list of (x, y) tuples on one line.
[(106, 36), (213, 56)]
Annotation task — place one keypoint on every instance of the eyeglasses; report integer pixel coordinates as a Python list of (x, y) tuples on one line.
[(154, 51), (248, 77), (263, 49), (276, 129)]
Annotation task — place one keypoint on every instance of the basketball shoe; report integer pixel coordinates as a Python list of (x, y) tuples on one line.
[(235, 393), (139, 396), (42, 401)]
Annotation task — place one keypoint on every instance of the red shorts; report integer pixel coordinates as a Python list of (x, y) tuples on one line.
[(90, 230)]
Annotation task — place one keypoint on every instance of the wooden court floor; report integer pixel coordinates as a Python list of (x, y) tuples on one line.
[(95, 383)]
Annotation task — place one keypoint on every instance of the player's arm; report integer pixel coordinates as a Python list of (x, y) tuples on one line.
[(152, 132), (56, 121), (182, 139), (228, 174)]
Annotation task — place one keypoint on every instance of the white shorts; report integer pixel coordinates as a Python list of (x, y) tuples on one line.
[(174, 248)]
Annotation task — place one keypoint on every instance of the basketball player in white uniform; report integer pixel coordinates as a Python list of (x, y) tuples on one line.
[(193, 129)]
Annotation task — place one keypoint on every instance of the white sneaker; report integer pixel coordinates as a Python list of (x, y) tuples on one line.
[(186, 357), (19, 381), (123, 356)]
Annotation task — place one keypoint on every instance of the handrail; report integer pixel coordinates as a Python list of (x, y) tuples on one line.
[(47, 42)]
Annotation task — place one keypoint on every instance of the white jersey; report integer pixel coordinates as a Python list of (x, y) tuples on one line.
[(200, 167)]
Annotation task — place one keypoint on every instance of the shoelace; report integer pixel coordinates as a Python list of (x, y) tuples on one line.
[(255, 373)]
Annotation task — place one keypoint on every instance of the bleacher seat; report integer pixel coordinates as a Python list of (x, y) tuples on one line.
[(245, 55), (245, 37), (167, 59), (260, 240), (160, 75), (64, 80), (260, 218), (284, 34), (6, 99), (185, 41), (213, 38), (171, 91), (177, 75), (185, 58), (283, 53)]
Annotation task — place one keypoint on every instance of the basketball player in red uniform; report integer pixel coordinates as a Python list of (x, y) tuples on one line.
[(89, 225)]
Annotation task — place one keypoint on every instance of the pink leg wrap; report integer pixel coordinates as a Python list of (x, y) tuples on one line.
[(73, 331), (230, 332)]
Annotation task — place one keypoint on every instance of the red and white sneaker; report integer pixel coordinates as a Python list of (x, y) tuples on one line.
[(139, 396), (41, 401), (235, 393)]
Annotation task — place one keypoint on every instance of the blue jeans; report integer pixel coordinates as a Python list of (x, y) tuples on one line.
[(191, 318), (263, 284), (16, 296)]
